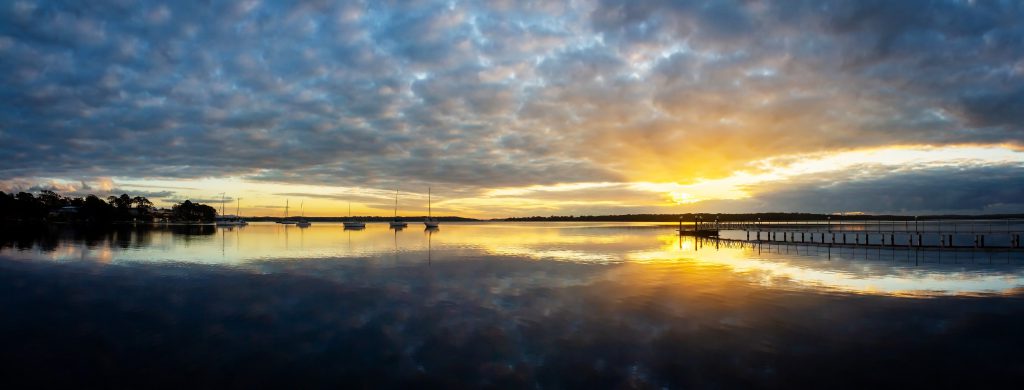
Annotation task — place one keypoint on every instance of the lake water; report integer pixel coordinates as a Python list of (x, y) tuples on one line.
[(560, 305)]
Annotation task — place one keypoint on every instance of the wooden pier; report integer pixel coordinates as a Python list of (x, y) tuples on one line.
[(700, 229), (930, 234)]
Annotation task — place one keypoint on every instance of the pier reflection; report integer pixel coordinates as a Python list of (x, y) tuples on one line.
[(890, 271)]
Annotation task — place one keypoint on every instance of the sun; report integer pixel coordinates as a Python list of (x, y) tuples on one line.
[(683, 198)]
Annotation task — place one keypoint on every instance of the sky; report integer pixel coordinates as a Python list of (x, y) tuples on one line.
[(519, 108)]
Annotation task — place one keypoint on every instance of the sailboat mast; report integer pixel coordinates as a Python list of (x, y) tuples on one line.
[(222, 203), (302, 209), (238, 206), (396, 204), (286, 209), (429, 213)]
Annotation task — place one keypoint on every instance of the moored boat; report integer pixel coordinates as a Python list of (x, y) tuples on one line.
[(286, 221), (352, 223), (229, 220), (302, 221), (397, 222), (430, 222)]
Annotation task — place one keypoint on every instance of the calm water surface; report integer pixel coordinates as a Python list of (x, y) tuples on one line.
[(553, 305)]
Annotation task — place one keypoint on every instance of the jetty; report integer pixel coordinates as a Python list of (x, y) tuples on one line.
[(700, 228), (927, 234)]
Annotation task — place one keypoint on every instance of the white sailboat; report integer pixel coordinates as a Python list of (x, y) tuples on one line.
[(430, 222), (397, 222), (351, 223), (228, 220), (302, 222)]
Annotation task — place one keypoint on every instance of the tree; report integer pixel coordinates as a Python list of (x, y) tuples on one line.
[(140, 202), (25, 198), (96, 210), (193, 212), (123, 202), (51, 200), (8, 205), (141, 208), (47, 205), (28, 207)]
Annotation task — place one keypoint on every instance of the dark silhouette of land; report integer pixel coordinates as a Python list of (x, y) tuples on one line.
[(49, 206)]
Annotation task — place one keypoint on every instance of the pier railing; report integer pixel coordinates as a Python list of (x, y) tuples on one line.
[(994, 234)]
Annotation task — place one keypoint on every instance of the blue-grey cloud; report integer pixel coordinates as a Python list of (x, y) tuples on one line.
[(86, 190), (958, 190), (508, 93)]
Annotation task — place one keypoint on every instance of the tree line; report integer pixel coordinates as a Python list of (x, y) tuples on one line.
[(49, 206)]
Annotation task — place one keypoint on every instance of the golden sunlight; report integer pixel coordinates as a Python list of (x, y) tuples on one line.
[(683, 198)]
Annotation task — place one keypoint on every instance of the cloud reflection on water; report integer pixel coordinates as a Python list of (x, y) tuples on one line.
[(500, 321)]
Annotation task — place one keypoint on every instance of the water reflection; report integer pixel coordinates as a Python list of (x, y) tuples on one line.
[(895, 271), (877, 270), (503, 322), (489, 305), (429, 231), (48, 238)]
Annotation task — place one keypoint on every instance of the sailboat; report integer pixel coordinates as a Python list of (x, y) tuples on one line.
[(227, 220), (351, 223), (238, 214), (397, 222), (430, 222), (302, 222), (286, 220)]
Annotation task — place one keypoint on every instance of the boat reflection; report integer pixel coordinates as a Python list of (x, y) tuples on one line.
[(429, 232)]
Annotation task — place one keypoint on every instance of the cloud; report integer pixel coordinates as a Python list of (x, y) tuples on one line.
[(211, 201), (876, 183), (476, 96), (994, 108), (102, 187), (956, 190)]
